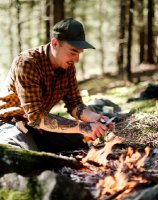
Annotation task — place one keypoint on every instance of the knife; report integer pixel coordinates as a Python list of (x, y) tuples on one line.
[(87, 138)]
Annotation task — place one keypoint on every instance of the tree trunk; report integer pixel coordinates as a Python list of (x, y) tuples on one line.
[(39, 32), (129, 45), (120, 56), (101, 37), (82, 61), (58, 10), (47, 22), (150, 58), (12, 160), (10, 32), (141, 30), (18, 6)]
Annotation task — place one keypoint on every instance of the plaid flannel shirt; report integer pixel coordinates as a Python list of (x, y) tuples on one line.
[(33, 87)]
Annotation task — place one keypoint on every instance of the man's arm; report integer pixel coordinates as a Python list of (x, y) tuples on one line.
[(54, 123), (83, 113)]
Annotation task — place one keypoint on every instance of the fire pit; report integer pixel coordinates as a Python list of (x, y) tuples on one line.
[(115, 170)]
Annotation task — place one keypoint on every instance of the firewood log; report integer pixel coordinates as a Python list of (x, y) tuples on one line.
[(31, 162)]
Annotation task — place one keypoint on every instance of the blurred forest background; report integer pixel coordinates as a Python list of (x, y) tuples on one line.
[(124, 32)]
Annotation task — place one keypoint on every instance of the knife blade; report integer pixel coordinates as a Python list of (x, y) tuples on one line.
[(106, 123)]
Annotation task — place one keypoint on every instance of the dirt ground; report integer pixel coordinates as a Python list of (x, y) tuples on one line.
[(140, 129)]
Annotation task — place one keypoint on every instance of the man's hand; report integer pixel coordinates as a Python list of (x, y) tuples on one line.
[(96, 129), (103, 119), (93, 130)]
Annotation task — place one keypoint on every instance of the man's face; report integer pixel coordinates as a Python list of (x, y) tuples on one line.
[(66, 55)]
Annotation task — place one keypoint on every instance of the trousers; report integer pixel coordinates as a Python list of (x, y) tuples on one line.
[(36, 141)]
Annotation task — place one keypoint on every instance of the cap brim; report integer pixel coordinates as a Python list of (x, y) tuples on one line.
[(81, 44)]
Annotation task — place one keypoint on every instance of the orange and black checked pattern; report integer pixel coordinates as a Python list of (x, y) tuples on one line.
[(33, 87)]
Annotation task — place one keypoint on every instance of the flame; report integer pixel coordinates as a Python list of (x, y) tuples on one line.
[(100, 156), (122, 174)]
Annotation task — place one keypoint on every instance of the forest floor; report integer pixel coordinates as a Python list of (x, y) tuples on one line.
[(138, 119), (139, 116)]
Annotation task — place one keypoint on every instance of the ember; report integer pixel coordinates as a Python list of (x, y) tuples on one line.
[(111, 177)]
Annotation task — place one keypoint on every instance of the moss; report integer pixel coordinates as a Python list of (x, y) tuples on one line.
[(147, 106), (12, 159), (22, 154), (14, 195), (94, 83), (34, 191)]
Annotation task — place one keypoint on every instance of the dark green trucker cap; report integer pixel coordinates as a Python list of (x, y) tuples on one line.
[(71, 31)]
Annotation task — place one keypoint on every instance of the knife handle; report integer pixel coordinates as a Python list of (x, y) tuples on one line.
[(86, 139)]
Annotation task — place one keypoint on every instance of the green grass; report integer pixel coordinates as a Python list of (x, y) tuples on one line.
[(147, 106), (101, 88)]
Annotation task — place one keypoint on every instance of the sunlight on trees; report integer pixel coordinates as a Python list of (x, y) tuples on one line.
[(26, 24)]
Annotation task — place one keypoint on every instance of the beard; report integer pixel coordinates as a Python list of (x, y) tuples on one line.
[(59, 71)]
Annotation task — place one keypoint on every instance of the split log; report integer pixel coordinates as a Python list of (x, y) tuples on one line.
[(27, 162)]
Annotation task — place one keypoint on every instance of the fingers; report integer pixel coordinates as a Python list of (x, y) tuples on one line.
[(102, 117), (93, 130), (98, 130)]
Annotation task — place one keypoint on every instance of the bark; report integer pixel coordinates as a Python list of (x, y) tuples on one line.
[(141, 30), (47, 23), (12, 159), (10, 32), (18, 6), (120, 56), (58, 10), (130, 37), (101, 37), (150, 31)]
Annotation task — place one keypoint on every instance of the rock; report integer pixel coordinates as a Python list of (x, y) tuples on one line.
[(28, 175), (147, 194), (46, 186)]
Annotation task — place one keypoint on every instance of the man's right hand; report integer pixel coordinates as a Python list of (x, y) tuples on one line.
[(93, 130)]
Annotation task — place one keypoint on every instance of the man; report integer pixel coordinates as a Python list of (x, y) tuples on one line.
[(38, 79)]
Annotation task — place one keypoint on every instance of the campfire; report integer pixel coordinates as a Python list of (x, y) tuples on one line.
[(126, 174), (112, 171)]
